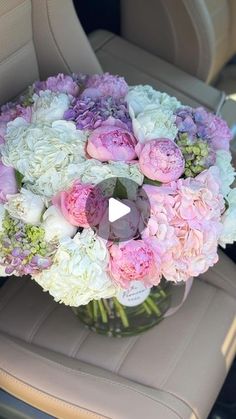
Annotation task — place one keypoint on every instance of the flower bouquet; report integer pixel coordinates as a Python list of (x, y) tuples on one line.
[(69, 146)]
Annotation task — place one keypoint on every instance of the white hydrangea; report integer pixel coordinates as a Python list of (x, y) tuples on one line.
[(43, 154), (25, 206), (49, 106), (93, 171), (56, 227), (141, 97), (228, 234), (78, 274), (154, 123), (227, 172)]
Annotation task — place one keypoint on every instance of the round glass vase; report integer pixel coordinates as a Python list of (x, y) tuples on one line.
[(110, 317)]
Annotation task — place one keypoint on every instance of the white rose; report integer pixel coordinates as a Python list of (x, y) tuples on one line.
[(2, 215), (43, 153), (78, 274), (25, 206), (140, 97), (49, 106), (154, 123), (228, 234), (227, 172), (56, 226)]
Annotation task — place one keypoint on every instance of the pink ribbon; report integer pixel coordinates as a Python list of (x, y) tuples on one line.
[(173, 310)]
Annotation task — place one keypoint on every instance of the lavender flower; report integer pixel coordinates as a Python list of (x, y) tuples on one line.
[(90, 113)]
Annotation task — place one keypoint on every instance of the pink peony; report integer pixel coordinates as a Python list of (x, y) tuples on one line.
[(134, 260), (83, 205), (161, 160), (8, 184), (111, 143), (61, 83), (105, 85)]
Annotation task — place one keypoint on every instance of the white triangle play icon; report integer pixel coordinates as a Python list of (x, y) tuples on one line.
[(116, 210)]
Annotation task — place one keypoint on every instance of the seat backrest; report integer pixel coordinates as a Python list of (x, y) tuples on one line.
[(39, 38), (198, 36)]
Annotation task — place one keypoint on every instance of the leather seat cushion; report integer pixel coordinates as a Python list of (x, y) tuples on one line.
[(185, 358)]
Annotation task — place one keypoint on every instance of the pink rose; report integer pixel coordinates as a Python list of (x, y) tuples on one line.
[(8, 184), (105, 85), (161, 160), (134, 260), (83, 205), (111, 143)]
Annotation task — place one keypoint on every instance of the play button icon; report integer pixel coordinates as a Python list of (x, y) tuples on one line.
[(117, 210), (127, 212)]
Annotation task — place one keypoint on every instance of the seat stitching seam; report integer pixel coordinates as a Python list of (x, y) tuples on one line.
[(15, 53), (49, 396), (54, 39), (79, 343), (15, 8), (11, 297), (103, 44), (125, 354), (38, 324), (165, 82), (187, 342), (105, 380)]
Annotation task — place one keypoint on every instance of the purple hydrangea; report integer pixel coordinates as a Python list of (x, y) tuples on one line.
[(198, 123), (23, 248), (90, 113)]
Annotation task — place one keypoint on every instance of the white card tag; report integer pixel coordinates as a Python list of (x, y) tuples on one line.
[(135, 295)]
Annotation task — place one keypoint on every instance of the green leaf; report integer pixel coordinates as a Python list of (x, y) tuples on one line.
[(151, 182), (19, 178), (120, 190)]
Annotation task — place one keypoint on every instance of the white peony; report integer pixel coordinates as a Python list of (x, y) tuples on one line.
[(43, 154), (227, 172), (140, 97), (78, 274), (228, 234), (49, 106), (25, 206), (56, 226), (154, 123), (2, 215)]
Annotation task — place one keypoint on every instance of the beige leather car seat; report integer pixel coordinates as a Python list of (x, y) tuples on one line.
[(47, 357), (35, 42), (198, 36)]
